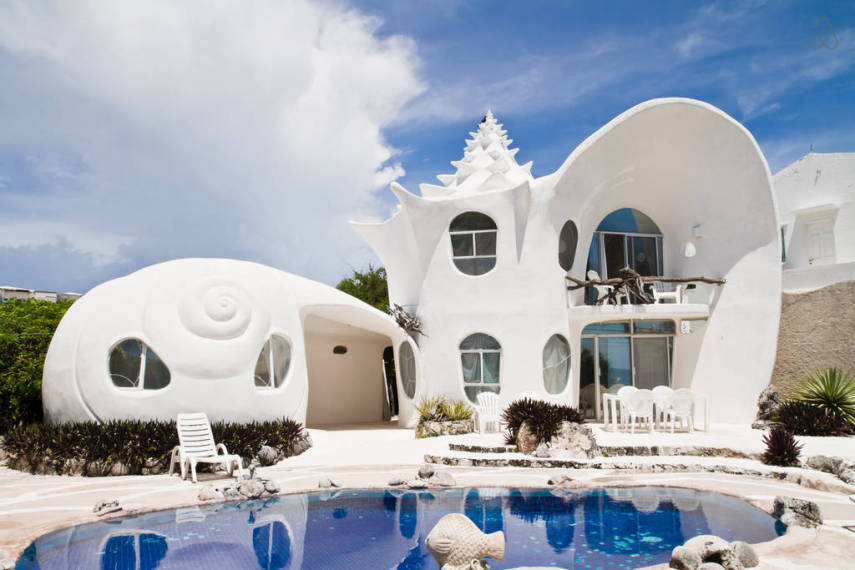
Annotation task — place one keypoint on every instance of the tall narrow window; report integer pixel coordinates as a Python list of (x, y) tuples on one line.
[(273, 362), (480, 357), (133, 364), (567, 245), (407, 362), (556, 364), (473, 243)]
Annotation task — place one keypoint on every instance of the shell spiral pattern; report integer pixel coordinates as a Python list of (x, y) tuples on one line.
[(215, 308)]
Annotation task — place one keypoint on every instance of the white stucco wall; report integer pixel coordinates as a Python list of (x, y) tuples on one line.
[(207, 320), (817, 188)]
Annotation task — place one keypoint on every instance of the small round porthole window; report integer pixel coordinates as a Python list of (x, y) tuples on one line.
[(408, 369), (273, 362), (340, 349), (134, 365)]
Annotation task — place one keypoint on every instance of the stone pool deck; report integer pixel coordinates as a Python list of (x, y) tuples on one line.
[(370, 455)]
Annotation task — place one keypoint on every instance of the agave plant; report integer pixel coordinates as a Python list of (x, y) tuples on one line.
[(831, 389), (800, 418), (781, 448), (455, 410), (428, 408)]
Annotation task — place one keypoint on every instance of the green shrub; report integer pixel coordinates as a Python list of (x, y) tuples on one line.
[(26, 328), (543, 418), (800, 418), (831, 390), (442, 409), (92, 448), (781, 448)]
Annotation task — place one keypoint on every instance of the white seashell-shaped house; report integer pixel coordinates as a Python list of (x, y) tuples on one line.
[(237, 340), (672, 188)]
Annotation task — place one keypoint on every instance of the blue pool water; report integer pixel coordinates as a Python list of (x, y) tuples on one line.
[(597, 528)]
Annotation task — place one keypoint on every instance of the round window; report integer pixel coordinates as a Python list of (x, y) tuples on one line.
[(133, 364)]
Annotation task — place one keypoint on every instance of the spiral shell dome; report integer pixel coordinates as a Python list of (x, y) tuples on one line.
[(222, 336)]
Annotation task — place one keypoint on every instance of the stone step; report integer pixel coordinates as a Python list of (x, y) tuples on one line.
[(627, 450), (483, 448)]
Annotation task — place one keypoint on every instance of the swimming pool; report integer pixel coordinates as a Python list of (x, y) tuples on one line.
[(596, 528)]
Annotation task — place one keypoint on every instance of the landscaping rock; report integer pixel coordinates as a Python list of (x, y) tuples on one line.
[(327, 483), (397, 482), (268, 455), (6, 561), (426, 471), (442, 479), (683, 558), (847, 476), (790, 510), (746, 554), (574, 440), (231, 493), (824, 463), (711, 548), (559, 480), (102, 508), (209, 494), (542, 451), (711, 566), (417, 484), (271, 487), (767, 406), (118, 468), (434, 429), (251, 488), (302, 444), (526, 440)]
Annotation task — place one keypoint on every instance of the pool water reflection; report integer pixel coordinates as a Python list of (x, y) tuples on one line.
[(616, 527)]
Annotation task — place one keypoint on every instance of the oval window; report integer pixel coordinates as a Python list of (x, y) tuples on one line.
[(567, 245), (340, 349), (407, 364), (473, 243), (556, 364), (133, 364), (273, 362)]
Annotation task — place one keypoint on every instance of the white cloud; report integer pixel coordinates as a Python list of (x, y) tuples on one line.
[(162, 129)]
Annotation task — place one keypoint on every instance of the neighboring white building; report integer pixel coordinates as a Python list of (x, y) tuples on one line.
[(816, 208), (7, 292), (671, 187), (481, 260), (238, 340)]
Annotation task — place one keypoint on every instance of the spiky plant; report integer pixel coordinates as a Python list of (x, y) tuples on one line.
[(800, 418), (543, 418), (831, 389), (455, 409), (428, 407), (781, 447)]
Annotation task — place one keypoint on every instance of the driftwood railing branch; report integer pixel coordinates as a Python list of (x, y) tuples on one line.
[(631, 283), (407, 321)]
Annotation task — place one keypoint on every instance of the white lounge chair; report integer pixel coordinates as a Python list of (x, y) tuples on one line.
[(488, 411), (661, 293), (196, 445), (680, 407), (639, 406)]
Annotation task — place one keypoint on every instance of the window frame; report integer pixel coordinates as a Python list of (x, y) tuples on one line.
[(139, 385), (474, 244), (271, 370), (480, 352)]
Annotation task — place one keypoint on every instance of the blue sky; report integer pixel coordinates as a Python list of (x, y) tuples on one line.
[(139, 132)]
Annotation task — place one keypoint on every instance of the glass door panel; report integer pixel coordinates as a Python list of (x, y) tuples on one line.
[(615, 362), (645, 255), (587, 386), (652, 362), (615, 250)]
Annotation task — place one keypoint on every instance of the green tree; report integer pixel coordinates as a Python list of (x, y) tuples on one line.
[(26, 328), (369, 286)]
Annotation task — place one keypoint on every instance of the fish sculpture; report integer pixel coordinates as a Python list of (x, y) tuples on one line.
[(455, 541)]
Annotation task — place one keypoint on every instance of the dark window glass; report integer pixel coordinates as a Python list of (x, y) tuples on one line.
[(408, 369), (567, 245), (614, 327), (471, 221), (658, 327), (273, 362), (485, 243), (133, 364)]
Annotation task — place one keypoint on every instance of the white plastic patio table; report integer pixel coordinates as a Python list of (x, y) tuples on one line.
[(610, 403)]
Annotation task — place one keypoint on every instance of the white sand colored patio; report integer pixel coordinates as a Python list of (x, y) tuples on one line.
[(371, 455)]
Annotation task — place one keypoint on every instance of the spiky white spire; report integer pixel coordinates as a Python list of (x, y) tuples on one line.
[(487, 164)]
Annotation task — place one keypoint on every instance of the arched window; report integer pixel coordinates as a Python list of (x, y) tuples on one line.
[(473, 243), (273, 362), (133, 364), (556, 364), (567, 245), (480, 357), (407, 362)]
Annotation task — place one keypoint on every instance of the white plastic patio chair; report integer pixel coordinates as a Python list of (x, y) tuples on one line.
[(661, 293), (623, 393), (639, 406), (196, 445), (662, 396), (602, 290), (680, 407), (488, 411)]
